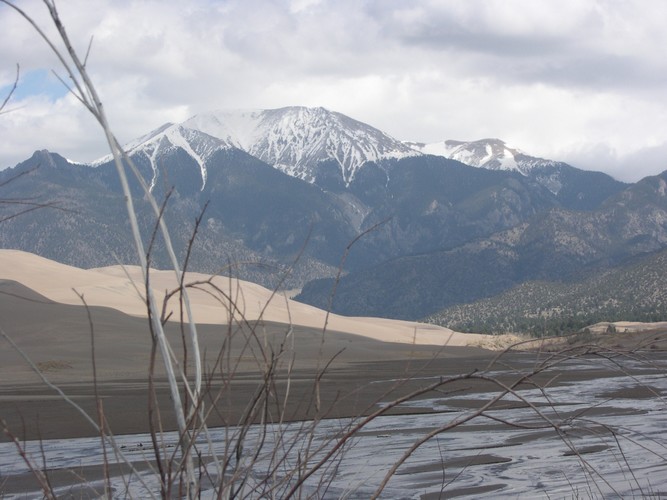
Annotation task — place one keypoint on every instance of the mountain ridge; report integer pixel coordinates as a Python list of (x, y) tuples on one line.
[(439, 224), (291, 139), (307, 143)]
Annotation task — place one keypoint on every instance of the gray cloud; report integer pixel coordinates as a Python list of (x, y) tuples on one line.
[(625, 167), (590, 44)]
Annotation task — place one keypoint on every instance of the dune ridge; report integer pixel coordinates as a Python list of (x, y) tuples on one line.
[(119, 287)]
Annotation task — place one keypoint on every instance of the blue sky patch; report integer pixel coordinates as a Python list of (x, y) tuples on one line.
[(38, 82)]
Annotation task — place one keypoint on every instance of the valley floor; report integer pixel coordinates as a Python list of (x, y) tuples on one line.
[(605, 407)]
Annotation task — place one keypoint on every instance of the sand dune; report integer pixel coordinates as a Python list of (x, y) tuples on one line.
[(121, 288)]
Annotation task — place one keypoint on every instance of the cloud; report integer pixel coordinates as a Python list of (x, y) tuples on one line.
[(628, 167), (591, 44), (552, 78)]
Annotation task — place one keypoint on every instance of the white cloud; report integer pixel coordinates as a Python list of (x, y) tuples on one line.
[(557, 79)]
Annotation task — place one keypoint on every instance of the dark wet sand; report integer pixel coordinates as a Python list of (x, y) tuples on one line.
[(32, 411), (349, 387), (356, 371)]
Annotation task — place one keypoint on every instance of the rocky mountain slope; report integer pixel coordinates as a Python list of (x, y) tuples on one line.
[(555, 244), (329, 149)]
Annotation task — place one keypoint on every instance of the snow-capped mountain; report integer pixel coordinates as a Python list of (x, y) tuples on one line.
[(292, 139), (578, 189), (436, 220), (492, 154), (326, 148)]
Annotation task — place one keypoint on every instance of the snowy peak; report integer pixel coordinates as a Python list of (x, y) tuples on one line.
[(492, 154), (236, 129), (295, 139)]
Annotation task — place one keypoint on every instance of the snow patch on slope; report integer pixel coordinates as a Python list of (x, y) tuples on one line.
[(198, 146), (178, 139)]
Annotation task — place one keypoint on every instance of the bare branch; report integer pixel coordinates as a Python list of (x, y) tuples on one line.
[(11, 92)]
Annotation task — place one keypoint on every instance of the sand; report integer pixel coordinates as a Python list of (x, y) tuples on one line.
[(42, 312), (43, 315), (121, 288)]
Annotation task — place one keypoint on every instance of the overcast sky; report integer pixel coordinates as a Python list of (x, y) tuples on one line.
[(583, 81)]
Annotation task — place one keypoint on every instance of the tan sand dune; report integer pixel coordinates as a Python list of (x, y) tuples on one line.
[(115, 287)]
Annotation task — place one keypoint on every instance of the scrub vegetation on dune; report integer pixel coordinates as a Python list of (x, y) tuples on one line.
[(252, 420)]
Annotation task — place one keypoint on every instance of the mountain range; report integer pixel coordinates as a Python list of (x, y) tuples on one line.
[(286, 191)]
